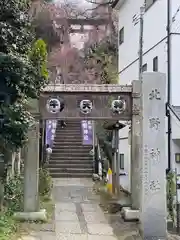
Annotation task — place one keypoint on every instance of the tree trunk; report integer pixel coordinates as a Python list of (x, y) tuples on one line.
[(18, 162), (9, 158)]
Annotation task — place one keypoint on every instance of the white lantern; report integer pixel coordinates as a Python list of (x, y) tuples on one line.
[(118, 106), (53, 105), (86, 106)]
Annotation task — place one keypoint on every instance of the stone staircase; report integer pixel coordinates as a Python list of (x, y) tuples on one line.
[(69, 157)]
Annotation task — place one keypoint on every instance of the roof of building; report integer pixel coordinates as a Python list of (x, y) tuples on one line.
[(112, 125)]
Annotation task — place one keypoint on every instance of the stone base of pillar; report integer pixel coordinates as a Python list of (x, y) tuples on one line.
[(129, 214), (31, 216)]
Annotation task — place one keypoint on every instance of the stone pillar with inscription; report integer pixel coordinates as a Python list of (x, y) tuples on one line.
[(31, 178), (153, 163), (31, 171)]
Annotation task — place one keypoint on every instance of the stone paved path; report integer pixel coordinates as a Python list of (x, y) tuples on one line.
[(78, 215), (77, 212)]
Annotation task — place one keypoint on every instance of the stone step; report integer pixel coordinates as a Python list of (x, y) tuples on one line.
[(65, 138), (71, 122), (67, 129), (69, 126), (70, 161), (70, 150), (68, 132), (69, 157), (85, 147), (71, 175), (68, 143), (70, 165), (68, 138), (70, 170), (70, 153)]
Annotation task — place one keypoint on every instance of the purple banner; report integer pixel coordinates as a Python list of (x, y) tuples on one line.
[(87, 132), (50, 131)]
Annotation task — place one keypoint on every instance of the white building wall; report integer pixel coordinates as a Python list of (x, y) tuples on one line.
[(175, 128), (175, 70), (127, 75), (154, 44), (154, 41), (175, 149), (154, 29), (124, 148)]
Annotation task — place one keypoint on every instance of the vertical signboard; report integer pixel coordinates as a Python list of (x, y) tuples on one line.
[(50, 131), (87, 132)]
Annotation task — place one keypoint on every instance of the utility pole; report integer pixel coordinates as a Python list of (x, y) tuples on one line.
[(136, 20), (141, 20), (169, 81)]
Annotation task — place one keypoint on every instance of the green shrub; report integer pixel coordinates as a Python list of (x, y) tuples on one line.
[(13, 197), (171, 193), (7, 226), (45, 183)]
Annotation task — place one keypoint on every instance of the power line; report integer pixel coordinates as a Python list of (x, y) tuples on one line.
[(174, 112), (176, 13), (141, 19)]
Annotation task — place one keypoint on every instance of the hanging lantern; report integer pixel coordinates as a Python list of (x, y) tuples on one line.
[(86, 106)]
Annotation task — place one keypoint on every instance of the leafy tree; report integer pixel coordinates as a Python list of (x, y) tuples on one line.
[(38, 58), (103, 57), (22, 69)]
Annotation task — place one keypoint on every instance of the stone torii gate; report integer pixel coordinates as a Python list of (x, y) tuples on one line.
[(144, 104)]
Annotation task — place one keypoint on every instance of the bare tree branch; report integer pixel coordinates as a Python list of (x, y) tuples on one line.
[(75, 9), (100, 2)]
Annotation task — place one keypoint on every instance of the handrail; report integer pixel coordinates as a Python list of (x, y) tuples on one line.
[(99, 150), (100, 162)]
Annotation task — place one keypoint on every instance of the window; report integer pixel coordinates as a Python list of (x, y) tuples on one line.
[(121, 158), (149, 3), (144, 68), (121, 36), (155, 64), (177, 157)]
